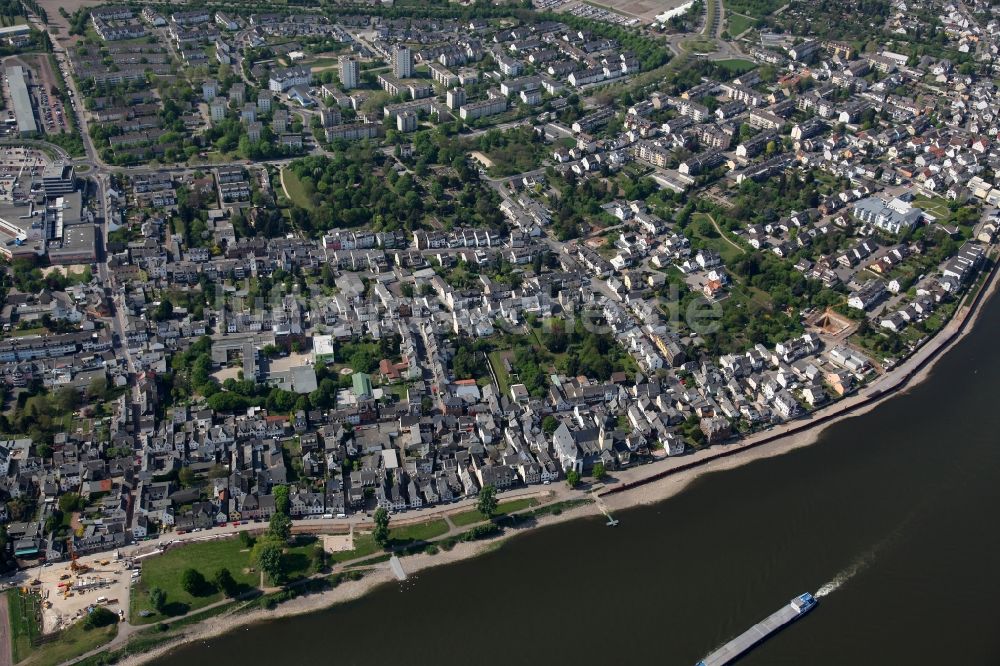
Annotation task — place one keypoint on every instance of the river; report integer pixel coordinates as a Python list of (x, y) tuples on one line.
[(893, 512)]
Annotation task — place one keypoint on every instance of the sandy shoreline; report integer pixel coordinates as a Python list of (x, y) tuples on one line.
[(645, 490), (907, 375), (348, 590)]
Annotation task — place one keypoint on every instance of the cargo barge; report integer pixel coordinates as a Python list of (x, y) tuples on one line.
[(778, 620)]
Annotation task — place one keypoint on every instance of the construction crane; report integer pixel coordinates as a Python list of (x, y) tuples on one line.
[(72, 555), (75, 566)]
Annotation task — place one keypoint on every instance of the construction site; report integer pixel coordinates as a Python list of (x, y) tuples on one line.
[(68, 590), (831, 325)]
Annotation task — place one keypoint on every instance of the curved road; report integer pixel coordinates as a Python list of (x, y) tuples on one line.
[(724, 49), (38, 143)]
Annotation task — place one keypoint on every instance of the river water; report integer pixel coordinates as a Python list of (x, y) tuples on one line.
[(893, 514)]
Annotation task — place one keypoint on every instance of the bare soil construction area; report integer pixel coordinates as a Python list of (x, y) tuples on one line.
[(56, 19), (831, 324)]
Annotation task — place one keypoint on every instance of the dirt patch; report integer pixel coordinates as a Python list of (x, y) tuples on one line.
[(338, 543), (482, 159), (227, 373), (56, 20), (72, 269), (831, 323), (110, 580), (285, 363), (6, 654)]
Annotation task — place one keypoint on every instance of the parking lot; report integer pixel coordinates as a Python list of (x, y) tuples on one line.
[(48, 108), (8, 124), (18, 169), (600, 14), (51, 111), (549, 4)]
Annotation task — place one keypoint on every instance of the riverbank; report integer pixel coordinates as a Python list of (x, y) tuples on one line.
[(377, 576), (877, 503), (641, 486), (644, 485)]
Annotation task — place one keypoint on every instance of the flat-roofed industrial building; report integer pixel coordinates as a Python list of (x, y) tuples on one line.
[(17, 83), (78, 245), (15, 30)]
